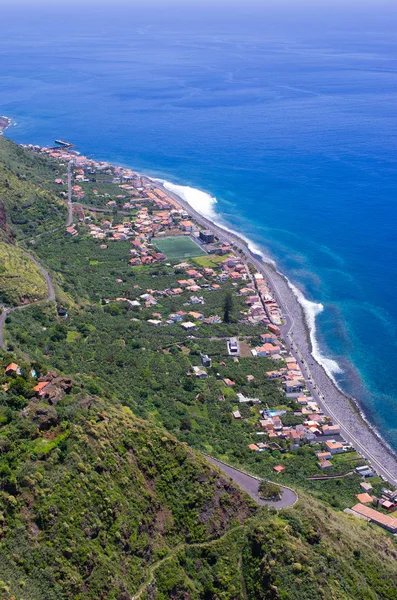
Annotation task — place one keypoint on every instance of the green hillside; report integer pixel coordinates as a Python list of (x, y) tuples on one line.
[(29, 204), (20, 279), (104, 493)]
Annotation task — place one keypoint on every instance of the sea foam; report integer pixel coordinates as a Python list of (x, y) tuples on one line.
[(205, 204), (201, 201), (311, 310)]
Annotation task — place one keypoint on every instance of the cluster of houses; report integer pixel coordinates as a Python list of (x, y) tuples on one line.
[(315, 426), (387, 502), (49, 386), (194, 281), (262, 308), (271, 307)]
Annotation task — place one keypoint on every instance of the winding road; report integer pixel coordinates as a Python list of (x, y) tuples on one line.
[(51, 292), (250, 485), (246, 482)]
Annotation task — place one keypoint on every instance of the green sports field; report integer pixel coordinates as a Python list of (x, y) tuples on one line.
[(178, 247)]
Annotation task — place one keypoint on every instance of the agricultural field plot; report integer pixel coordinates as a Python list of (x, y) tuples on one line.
[(178, 247), (210, 260)]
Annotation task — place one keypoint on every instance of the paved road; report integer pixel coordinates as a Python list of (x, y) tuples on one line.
[(250, 485), (334, 402), (7, 311), (70, 206), (97, 209)]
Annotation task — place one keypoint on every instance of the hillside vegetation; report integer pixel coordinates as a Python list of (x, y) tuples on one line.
[(20, 278), (103, 491), (28, 202)]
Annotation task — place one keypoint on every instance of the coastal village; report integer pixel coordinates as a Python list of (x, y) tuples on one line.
[(114, 204)]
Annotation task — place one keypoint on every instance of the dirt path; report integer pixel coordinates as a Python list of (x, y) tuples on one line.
[(325, 477), (173, 552)]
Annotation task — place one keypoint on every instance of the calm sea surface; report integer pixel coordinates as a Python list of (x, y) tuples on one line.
[(287, 116)]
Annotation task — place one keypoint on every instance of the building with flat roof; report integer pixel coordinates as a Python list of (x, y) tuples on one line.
[(233, 347), (207, 236)]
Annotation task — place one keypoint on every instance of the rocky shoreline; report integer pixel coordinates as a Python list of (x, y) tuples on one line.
[(5, 122)]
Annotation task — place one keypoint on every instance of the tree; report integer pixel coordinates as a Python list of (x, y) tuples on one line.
[(269, 491), (227, 307)]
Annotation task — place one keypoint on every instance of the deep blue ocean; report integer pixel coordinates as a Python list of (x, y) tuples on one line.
[(286, 115)]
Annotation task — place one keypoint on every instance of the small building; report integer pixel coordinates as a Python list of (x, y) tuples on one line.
[(324, 455), (364, 471), (186, 226), (366, 487), (324, 464), (12, 368), (334, 447), (188, 325), (331, 429), (293, 386), (233, 347), (253, 447), (207, 236), (200, 373), (205, 360), (228, 382), (40, 388), (364, 498), (236, 414), (279, 468)]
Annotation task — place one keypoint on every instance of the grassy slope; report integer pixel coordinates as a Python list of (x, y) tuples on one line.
[(92, 505), (31, 207), (20, 279)]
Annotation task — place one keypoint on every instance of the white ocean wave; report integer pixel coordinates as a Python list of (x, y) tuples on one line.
[(201, 201), (311, 310)]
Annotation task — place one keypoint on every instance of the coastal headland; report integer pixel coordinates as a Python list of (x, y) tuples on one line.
[(344, 412)]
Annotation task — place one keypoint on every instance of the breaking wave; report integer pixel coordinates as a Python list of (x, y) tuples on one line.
[(311, 310), (201, 201)]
